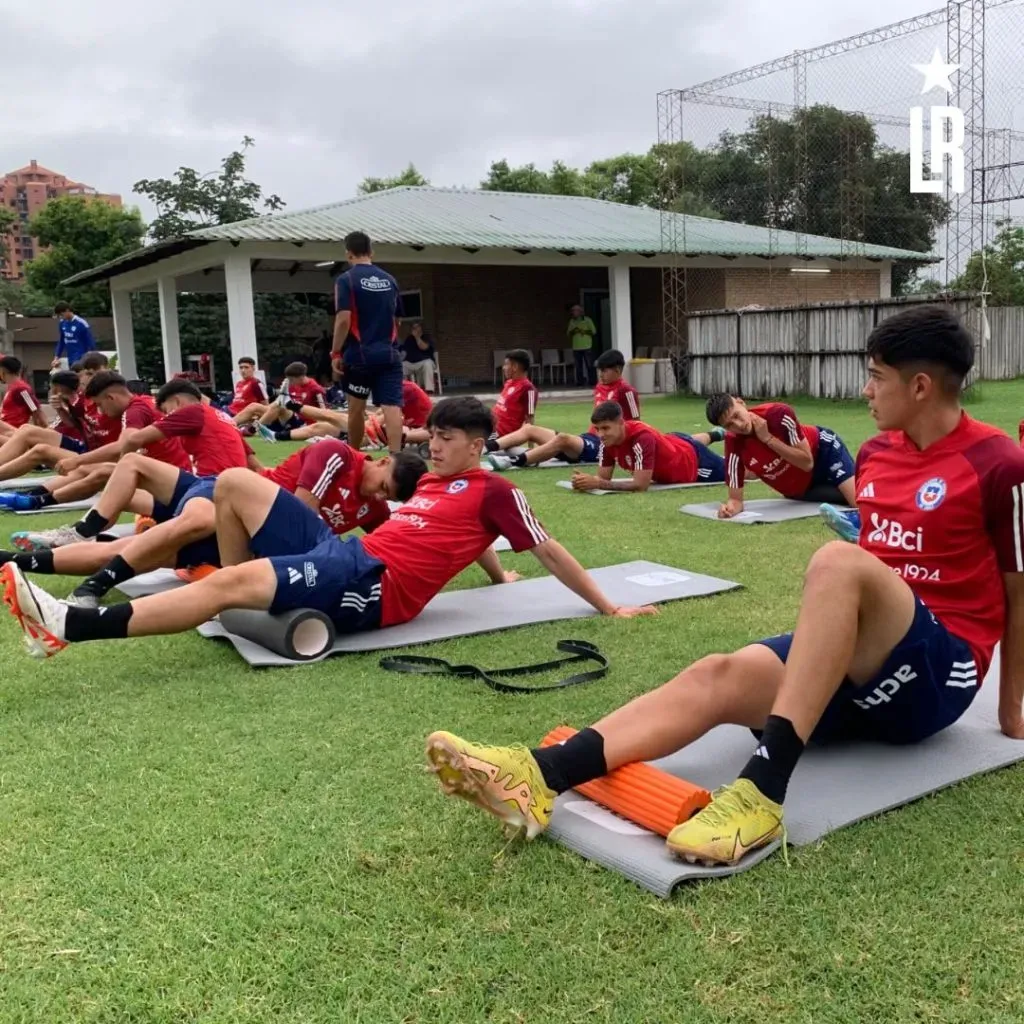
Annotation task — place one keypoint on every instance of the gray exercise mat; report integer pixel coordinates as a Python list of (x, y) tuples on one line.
[(832, 787), (567, 485), (148, 583), (488, 609), (23, 483), (761, 510), (68, 506)]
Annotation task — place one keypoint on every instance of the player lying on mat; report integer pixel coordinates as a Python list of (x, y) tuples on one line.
[(798, 462), (648, 455), (385, 578), (342, 486), (892, 640)]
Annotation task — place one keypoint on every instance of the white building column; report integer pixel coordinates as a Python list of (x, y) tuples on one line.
[(124, 333), (885, 280), (241, 313), (621, 310), (168, 294)]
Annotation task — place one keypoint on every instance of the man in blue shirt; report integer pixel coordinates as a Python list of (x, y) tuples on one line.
[(75, 337), (368, 304)]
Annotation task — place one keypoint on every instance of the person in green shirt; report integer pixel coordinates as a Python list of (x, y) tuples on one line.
[(581, 331)]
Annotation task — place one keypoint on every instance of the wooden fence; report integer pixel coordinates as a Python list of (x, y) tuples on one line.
[(819, 350)]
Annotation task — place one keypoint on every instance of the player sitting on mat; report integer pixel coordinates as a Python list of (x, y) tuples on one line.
[(19, 405), (648, 455), (388, 577), (345, 488), (892, 640), (273, 416), (800, 463), (249, 389), (517, 403)]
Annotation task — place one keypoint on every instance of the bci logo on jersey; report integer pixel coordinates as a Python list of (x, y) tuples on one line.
[(931, 494), (457, 486), (893, 535)]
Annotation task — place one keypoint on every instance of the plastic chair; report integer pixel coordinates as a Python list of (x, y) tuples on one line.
[(551, 360)]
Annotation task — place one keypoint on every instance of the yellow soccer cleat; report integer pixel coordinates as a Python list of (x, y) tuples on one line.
[(504, 781), (740, 818)]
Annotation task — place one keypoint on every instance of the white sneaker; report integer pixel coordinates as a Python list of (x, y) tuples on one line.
[(47, 540), (40, 615), (82, 601), (499, 461), (266, 433)]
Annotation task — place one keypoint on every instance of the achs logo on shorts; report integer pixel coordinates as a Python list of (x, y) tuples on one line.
[(931, 494), (457, 486)]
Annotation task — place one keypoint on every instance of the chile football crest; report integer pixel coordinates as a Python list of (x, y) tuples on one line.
[(931, 494)]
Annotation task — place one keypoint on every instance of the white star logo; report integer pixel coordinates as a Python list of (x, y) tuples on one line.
[(936, 74)]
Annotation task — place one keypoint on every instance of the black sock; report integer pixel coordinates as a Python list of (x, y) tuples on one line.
[(491, 444), (92, 525), (41, 562), (717, 434), (35, 492), (116, 571), (579, 759), (775, 758), (110, 623), (8, 556), (45, 499), (520, 460), (283, 435)]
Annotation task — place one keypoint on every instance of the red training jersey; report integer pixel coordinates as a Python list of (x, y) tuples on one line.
[(416, 405), (332, 471), (247, 392), (19, 403), (209, 437), (447, 524), (623, 394), (518, 399), (142, 412), (309, 393), (671, 460), (100, 429), (950, 521), (745, 452), (75, 426)]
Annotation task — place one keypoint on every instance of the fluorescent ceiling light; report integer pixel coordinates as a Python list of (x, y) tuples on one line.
[(329, 263), (810, 270)]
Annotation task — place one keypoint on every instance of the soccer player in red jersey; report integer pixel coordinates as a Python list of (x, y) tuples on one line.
[(19, 405), (612, 387), (517, 403), (388, 577), (648, 455), (893, 638), (249, 389), (345, 488), (298, 387)]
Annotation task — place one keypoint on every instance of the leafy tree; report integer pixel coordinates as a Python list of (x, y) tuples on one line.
[(23, 298), (191, 200), (1001, 273), (80, 233), (410, 176), (528, 178), (8, 218)]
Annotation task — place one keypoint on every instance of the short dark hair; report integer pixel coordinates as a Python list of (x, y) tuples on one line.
[(247, 359), (62, 307), (606, 412), (406, 468), (613, 359), (76, 367), (464, 413), (178, 387), (296, 370), (95, 361), (922, 338), (137, 387), (12, 364), (65, 379), (103, 380), (718, 405), (358, 243), (521, 358)]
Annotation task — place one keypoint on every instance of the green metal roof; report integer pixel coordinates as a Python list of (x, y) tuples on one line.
[(478, 219)]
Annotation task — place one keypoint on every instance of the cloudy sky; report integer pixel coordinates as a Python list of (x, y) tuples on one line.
[(116, 90)]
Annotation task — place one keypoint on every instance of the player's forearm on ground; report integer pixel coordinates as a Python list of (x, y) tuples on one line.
[(623, 484), (736, 494), (571, 574), (796, 456), (1011, 674), (491, 564)]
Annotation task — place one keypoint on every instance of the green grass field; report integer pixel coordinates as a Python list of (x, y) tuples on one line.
[(185, 839)]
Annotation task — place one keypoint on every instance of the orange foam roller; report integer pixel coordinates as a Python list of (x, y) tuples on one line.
[(639, 793)]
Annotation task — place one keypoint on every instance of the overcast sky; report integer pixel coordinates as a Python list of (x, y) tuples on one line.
[(116, 90)]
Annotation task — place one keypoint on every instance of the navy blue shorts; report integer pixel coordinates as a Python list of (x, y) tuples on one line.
[(925, 685), (316, 569), (710, 466), (73, 444), (379, 380), (202, 488), (833, 465), (591, 448), (161, 512)]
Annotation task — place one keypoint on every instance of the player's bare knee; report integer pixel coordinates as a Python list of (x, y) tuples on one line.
[(197, 519), (707, 674), (837, 563), (563, 438), (230, 482)]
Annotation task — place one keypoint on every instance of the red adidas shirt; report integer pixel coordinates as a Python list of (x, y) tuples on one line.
[(332, 471), (950, 521), (745, 452), (621, 392), (310, 393), (416, 405), (75, 427), (247, 392), (448, 523), (518, 399), (208, 436), (671, 459), (100, 429), (142, 412), (19, 403)]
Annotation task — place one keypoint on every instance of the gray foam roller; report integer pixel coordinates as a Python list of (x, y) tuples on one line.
[(300, 635)]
